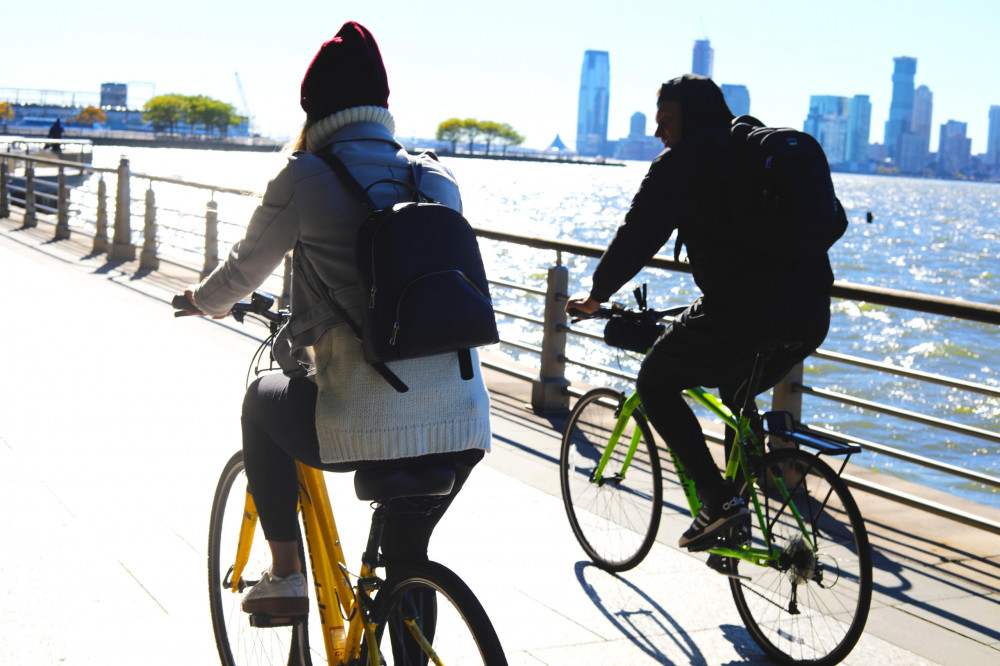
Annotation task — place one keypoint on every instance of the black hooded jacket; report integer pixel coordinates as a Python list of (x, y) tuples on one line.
[(686, 189)]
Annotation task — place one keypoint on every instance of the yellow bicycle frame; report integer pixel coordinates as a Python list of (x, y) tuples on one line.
[(327, 563)]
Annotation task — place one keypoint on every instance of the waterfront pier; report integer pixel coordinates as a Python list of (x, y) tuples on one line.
[(116, 420)]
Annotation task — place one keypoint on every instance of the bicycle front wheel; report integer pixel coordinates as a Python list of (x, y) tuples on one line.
[(240, 644), (812, 604), (615, 519), (425, 613)]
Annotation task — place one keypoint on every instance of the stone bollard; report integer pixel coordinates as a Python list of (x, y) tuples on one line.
[(121, 242), (548, 390), (29, 219), (147, 258), (4, 191), (62, 207), (101, 230), (211, 238)]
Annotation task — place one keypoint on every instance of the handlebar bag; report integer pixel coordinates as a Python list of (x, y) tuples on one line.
[(633, 331)]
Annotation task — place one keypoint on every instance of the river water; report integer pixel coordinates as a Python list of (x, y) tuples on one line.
[(933, 237)]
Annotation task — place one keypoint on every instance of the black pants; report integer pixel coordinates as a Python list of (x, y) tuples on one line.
[(279, 428), (716, 349)]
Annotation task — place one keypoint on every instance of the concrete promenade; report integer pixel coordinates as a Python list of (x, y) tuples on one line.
[(116, 420)]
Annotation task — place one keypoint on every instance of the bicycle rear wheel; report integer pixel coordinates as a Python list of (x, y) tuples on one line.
[(240, 644), (428, 603), (614, 519), (811, 606)]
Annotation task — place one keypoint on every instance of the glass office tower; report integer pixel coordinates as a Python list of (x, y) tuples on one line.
[(702, 58), (901, 106), (993, 138), (737, 98), (859, 117), (592, 113)]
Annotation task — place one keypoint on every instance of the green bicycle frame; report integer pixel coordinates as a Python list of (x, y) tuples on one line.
[(737, 463)]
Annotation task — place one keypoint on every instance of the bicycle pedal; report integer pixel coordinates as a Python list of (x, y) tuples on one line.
[(262, 621), (725, 566)]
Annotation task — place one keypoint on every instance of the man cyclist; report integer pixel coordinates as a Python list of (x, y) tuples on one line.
[(749, 299)]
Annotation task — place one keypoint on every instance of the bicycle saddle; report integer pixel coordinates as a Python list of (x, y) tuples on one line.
[(383, 484)]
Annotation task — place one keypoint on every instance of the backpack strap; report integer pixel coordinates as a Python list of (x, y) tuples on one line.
[(349, 181), (309, 274), (361, 193)]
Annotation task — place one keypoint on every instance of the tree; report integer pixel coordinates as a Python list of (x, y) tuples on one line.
[(471, 131), (6, 111), (210, 114), (509, 137), (491, 131), (165, 111), (450, 130), (90, 115)]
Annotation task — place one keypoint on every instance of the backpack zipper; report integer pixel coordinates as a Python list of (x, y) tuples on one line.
[(402, 295)]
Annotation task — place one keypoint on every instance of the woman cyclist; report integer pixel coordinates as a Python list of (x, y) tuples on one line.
[(345, 416)]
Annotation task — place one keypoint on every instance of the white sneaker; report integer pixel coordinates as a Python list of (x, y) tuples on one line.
[(277, 596)]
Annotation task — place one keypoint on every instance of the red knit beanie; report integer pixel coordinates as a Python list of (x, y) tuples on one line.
[(346, 72)]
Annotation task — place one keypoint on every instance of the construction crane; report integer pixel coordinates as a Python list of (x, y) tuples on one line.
[(246, 107)]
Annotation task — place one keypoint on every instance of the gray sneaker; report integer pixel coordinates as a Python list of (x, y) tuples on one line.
[(277, 596)]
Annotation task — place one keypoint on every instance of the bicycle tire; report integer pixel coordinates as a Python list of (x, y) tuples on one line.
[(460, 631), (830, 588), (238, 643), (615, 521)]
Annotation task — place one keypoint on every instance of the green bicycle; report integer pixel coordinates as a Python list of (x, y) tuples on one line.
[(801, 574)]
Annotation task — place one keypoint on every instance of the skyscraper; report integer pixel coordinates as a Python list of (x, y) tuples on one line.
[(592, 112), (859, 119), (827, 123), (993, 138), (737, 98), (954, 148), (901, 106), (913, 145), (703, 57)]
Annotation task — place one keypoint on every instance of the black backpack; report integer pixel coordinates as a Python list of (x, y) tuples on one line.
[(423, 286), (786, 189)]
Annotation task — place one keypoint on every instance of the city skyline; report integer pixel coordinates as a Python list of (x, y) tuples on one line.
[(521, 64)]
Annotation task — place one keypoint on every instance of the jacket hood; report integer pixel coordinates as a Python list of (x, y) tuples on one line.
[(702, 103)]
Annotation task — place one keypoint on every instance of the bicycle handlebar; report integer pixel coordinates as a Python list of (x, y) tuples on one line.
[(618, 308), (259, 305)]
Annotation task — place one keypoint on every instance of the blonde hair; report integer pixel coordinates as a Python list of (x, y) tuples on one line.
[(299, 142)]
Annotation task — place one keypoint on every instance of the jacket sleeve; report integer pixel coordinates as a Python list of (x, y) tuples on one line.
[(647, 226), (270, 234)]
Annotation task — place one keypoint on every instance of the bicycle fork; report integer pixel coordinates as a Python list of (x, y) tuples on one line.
[(623, 413)]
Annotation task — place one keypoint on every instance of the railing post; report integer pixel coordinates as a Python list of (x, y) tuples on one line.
[(548, 389), (29, 219), (121, 242), (101, 231), (148, 258), (4, 178), (786, 397), (211, 237), (62, 207)]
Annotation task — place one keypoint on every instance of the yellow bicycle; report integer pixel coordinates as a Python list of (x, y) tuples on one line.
[(423, 613)]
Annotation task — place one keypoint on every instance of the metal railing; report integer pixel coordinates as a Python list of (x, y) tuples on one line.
[(551, 389)]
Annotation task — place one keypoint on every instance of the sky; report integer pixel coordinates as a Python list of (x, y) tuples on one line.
[(517, 61)]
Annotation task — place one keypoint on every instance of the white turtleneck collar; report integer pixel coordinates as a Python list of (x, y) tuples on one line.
[(323, 129)]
